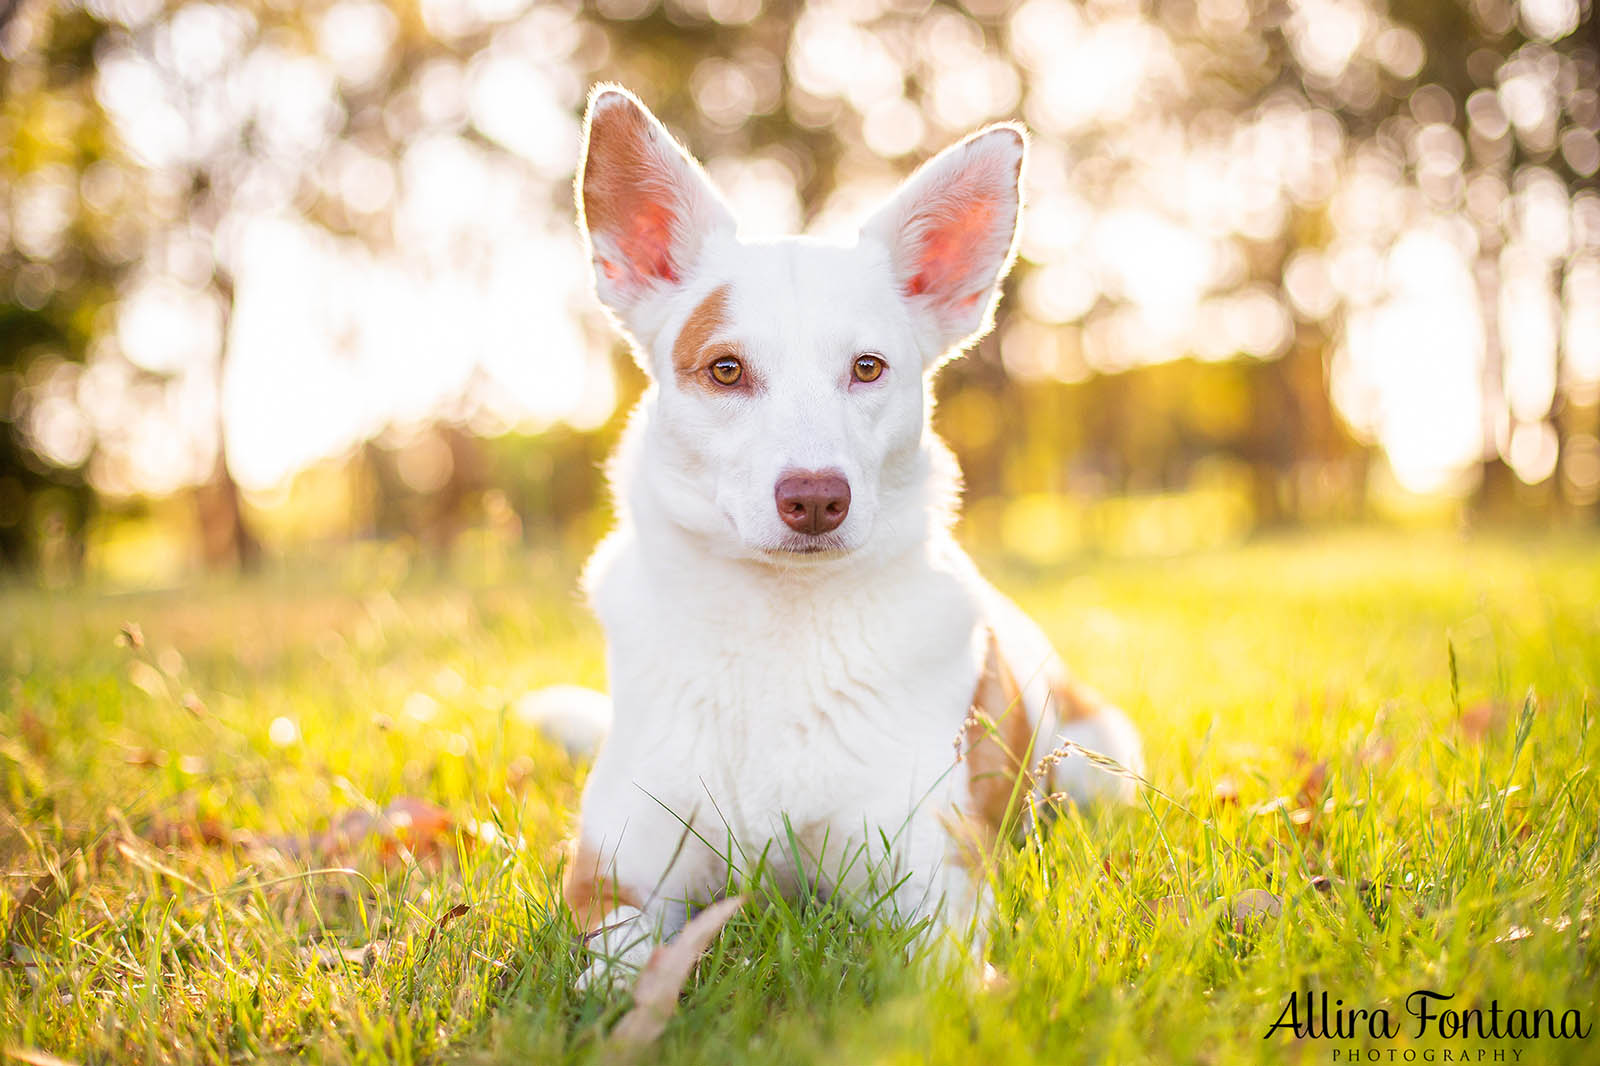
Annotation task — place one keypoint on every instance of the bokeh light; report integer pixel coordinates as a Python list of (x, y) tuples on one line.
[(267, 237)]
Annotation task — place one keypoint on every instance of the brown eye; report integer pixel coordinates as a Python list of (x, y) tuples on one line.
[(868, 368), (727, 371)]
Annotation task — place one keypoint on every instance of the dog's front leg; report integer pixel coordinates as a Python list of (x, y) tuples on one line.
[(622, 923), (947, 890), (619, 947), (634, 872), (610, 914)]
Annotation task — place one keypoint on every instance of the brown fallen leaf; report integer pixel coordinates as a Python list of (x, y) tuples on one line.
[(39, 902), (443, 920), (410, 825), (1253, 905), (34, 732), (416, 824), (35, 1057), (1512, 935), (656, 991), (1376, 750), (1225, 793), (335, 957), (191, 832), (141, 858), (1309, 794), (130, 636), (1175, 907), (148, 680), (1374, 896), (145, 758), (1481, 719)]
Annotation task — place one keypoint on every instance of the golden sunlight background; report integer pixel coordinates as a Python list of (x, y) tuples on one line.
[(276, 274)]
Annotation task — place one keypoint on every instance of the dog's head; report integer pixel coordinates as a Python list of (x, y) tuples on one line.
[(791, 376)]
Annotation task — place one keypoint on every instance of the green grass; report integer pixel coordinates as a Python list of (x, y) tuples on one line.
[(144, 800)]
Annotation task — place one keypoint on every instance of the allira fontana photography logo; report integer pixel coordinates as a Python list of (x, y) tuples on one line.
[(1449, 1031)]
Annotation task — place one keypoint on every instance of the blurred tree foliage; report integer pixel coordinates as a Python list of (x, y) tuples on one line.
[(1281, 152), (58, 288)]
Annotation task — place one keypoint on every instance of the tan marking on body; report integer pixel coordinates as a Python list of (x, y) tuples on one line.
[(998, 747), (1072, 700), (591, 891), (703, 323)]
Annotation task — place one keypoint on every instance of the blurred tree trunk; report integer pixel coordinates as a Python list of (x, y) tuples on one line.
[(1300, 455), (452, 507), (385, 492), (1269, 442), (1496, 487), (225, 536), (1496, 494)]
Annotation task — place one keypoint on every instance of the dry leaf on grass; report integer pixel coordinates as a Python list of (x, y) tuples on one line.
[(191, 832), (36, 735), (408, 824), (130, 636), (1309, 795), (1225, 793), (1481, 719), (1175, 907), (39, 902), (443, 920), (138, 855), (335, 957), (1376, 750), (1253, 905), (148, 680), (35, 1057), (145, 758), (1512, 935), (656, 991), (1307, 803), (1374, 896), (1249, 907)]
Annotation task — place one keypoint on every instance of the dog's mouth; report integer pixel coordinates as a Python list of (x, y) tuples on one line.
[(810, 546)]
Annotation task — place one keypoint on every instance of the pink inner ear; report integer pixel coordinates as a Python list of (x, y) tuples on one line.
[(947, 255), (647, 242), (630, 196)]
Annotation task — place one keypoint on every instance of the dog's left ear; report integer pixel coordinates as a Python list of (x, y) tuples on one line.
[(951, 231), (645, 206)]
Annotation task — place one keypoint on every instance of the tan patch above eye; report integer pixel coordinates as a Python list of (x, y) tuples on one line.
[(689, 350)]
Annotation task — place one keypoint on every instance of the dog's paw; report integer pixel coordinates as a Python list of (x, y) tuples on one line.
[(606, 976), (617, 952)]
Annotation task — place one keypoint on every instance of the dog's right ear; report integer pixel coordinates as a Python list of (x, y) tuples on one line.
[(644, 205), (951, 234)]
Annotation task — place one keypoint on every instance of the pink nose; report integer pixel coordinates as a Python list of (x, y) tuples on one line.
[(811, 501)]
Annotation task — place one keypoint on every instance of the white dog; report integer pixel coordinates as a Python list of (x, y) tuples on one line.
[(804, 666)]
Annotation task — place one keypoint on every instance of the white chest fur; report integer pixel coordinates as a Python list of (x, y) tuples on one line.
[(769, 709)]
